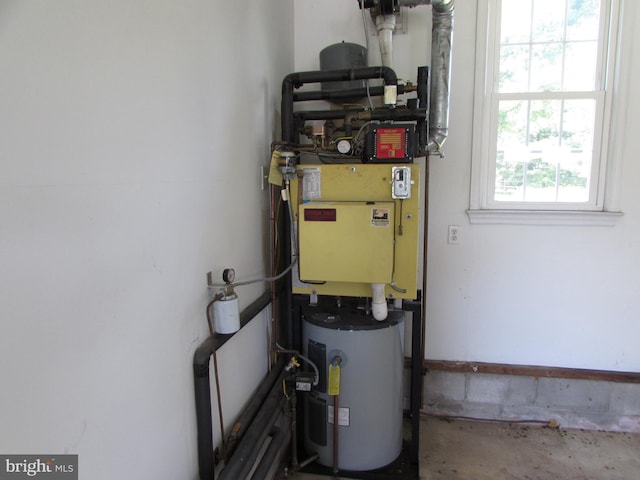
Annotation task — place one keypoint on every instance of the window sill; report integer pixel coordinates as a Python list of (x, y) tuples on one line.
[(543, 217)]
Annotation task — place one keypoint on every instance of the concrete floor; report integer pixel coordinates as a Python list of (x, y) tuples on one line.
[(481, 450), (469, 450)]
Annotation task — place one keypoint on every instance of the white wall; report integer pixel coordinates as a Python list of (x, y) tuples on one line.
[(540, 295), (131, 137)]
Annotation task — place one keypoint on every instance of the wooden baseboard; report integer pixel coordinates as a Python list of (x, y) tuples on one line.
[(532, 371)]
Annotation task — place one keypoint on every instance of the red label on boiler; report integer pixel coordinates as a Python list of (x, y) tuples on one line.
[(320, 215), (391, 143)]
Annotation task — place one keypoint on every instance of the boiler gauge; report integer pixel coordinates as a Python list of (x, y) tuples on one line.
[(344, 146), (228, 275)]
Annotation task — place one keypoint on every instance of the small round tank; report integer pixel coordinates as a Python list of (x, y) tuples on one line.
[(370, 400), (343, 55)]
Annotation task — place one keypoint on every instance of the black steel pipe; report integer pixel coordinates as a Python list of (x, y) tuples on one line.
[(415, 402), (377, 91), (397, 114), (244, 420), (243, 459), (202, 387), (344, 74), (296, 80), (278, 441), (287, 281), (204, 421), (381, 114), (422, 126)]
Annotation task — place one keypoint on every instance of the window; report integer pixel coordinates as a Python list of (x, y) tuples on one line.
[(543, 104)]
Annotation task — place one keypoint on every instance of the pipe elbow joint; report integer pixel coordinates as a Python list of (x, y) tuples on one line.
[(379, 308), (388, 75), (443, 6), (437, 138)]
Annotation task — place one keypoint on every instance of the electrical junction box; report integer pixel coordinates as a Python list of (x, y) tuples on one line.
[(346, 241), (390, 143)]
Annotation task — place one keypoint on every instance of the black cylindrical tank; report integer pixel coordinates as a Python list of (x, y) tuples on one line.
[(343, 55)]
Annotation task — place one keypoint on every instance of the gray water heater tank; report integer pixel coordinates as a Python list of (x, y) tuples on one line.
[(370, 399), (339, 56)]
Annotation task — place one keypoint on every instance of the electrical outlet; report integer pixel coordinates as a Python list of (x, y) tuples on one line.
[(454, 235)]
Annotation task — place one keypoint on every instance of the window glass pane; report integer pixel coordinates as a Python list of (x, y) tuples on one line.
[(515, 24), (580, 66), (511, 150), (544, 138), (514, 69), (583, 17), (544, 150), (548, 20), (544, 124), (578, 120), (576, 150), (509, 179), (541, 177), (546, 67)]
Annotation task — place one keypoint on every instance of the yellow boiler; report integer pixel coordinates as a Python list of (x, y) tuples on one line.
[(357, 226), (346, 241)]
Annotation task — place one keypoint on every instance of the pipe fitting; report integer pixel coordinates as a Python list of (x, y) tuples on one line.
[(443, 6), (379, 308)]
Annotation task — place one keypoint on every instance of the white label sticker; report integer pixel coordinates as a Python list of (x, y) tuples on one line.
[(311, 184), (343, 415), (380, 217)]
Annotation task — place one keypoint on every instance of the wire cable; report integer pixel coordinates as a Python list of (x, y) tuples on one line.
[(286, 270), (280, 349)]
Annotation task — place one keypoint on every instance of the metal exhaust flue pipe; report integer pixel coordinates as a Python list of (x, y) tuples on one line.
[(441, 47)]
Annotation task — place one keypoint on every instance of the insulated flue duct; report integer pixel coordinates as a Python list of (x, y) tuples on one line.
[(441, 46)]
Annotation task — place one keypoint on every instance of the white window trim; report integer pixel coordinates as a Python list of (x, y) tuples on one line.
[(606, 210)]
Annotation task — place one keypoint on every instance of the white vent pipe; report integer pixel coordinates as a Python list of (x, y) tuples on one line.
[(386, 24), (379, 302)]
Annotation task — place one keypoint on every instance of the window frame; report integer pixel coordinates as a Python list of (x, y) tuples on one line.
[(609, 115)]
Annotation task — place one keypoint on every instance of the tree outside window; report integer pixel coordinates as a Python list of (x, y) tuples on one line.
[(548, 101)]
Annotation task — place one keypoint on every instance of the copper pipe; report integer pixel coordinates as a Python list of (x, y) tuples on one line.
[(336, 409), (425, 252), (337, 360), (274, 269), (294, 436)]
